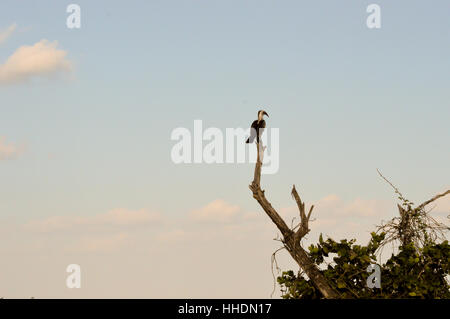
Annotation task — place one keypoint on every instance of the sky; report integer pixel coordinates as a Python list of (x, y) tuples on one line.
[(86, 116)]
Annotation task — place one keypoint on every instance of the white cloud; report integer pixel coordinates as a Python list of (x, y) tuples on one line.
[(134, 256), (122, 216), (27, 62), (115, 217), (216, 211), (171, 236), (102, 244), (6, 33), (334, 205), (8, 151)]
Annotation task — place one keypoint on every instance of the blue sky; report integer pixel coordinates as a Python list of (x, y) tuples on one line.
[(347, 100)]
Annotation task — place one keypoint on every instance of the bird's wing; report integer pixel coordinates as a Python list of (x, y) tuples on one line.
[(260, 129), (262, 126), (253, 130)]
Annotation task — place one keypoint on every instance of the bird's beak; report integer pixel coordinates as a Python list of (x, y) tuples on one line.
[(264, 113)]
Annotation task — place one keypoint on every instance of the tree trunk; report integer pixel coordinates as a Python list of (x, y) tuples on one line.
[(292, 239)]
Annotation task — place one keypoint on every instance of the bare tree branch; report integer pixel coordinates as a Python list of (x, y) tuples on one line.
[(414, 225), (259, 195), (291, 239), (304, 220), (433, 199)]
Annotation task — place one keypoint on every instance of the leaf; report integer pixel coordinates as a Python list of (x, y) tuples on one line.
[(365, 258), (341, 284)]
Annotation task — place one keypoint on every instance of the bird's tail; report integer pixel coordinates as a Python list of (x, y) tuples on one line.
[(248, 140)]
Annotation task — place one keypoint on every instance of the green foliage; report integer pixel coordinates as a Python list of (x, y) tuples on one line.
[(412, 273)]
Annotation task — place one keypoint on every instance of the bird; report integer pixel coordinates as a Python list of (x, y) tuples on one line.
[(257, 127)]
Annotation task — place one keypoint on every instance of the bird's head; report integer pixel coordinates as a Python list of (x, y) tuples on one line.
[(261, 114)]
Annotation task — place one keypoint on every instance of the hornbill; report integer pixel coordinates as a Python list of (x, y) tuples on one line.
[(257, 127)]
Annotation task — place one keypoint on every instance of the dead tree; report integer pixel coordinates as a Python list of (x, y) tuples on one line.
[(291, 238), (414, 225)]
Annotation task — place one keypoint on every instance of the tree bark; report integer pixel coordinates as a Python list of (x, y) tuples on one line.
[(291, 239)]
